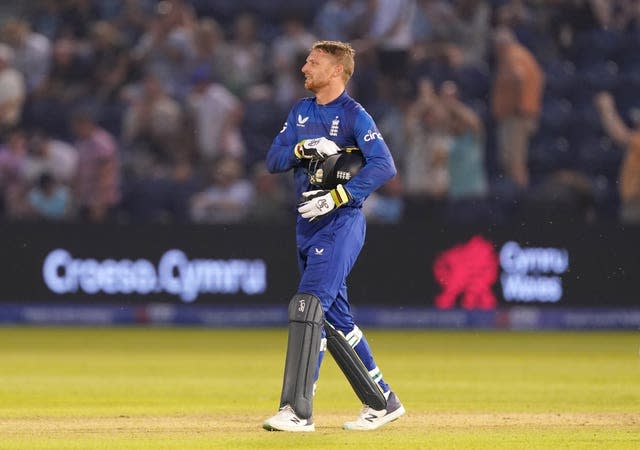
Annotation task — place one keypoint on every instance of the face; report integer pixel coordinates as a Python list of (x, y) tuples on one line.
[(319, 69)]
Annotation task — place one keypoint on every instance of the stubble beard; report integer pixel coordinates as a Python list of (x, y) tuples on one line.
[(309, 85), (314, 86)]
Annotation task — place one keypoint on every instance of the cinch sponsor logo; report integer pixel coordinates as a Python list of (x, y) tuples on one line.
[(372, 135), (175, 274)]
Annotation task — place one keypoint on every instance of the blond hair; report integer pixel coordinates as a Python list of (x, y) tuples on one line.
[(342, 52)]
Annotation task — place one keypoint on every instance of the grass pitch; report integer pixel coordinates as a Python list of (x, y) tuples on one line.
[(183, 388)]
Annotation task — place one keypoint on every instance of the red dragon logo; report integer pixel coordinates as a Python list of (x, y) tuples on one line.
[(467, 270)]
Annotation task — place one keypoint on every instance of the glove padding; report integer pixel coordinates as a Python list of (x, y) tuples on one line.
[(315, 204), (319, 148)]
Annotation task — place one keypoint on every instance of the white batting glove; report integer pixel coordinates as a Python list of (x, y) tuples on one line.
[(319, 148), (316, 204)]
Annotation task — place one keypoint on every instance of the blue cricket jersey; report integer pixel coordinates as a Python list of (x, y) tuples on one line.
[(345, 122)]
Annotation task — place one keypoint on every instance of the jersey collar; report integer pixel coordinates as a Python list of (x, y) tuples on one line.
[(337, 100)]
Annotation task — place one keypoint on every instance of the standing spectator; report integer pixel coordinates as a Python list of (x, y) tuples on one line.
[(159, 196), (390, 33), (341, 20), (467, 173), (271, 202), (109, 60), (96, 186), (516, 99), (210, 49), (66, 84), (473, 19), (386, 205), (228, 196), (13, 156), (572, 18), (216, 115), (45, 17), (246, 55), (53, 156), (259, 121), (167, 46), (77, 16), (12, 90), (153, 125), (468, 185), (434, 21), (48, 199), (288, 51), (32, 51), (425, 173), (629, 138), (565, 195)]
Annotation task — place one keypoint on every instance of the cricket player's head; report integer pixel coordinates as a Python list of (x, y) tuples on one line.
[(330, 63)]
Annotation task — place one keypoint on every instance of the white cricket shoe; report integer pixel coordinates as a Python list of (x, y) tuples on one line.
[(370, 419), (287, 420)]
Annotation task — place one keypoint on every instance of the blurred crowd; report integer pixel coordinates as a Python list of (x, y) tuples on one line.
[(145, 111)]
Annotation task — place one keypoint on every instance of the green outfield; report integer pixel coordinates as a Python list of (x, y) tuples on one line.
[(183, 388)]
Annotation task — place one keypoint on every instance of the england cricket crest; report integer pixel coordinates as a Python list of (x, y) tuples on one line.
[(335, 123)]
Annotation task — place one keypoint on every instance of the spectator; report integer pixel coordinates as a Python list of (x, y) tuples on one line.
[(77, 16), (210, 49), (564, 195), (215, 114), (32, 51), (289, 50), (45, 17), (97, 181), (246, 64), (390, 34), (109, 60), (473, 20), (573, 18), (49, 200), (98, 53), (386, 205), (152, 128), (466, 161), (67, 83), (53, 156), (184, 183), (389, 107), (13, 156), (425, 172), (228, 196), (159, 197), (629, 139), (271, 202), (435, 22), (341, 20), (259, 122), (516, 99), (12, 90), (133, 17), (167, 46)]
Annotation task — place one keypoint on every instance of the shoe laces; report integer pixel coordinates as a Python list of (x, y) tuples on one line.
[(367, 410), (286, 411)]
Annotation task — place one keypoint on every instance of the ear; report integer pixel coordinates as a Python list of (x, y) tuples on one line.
[(339, 70)]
